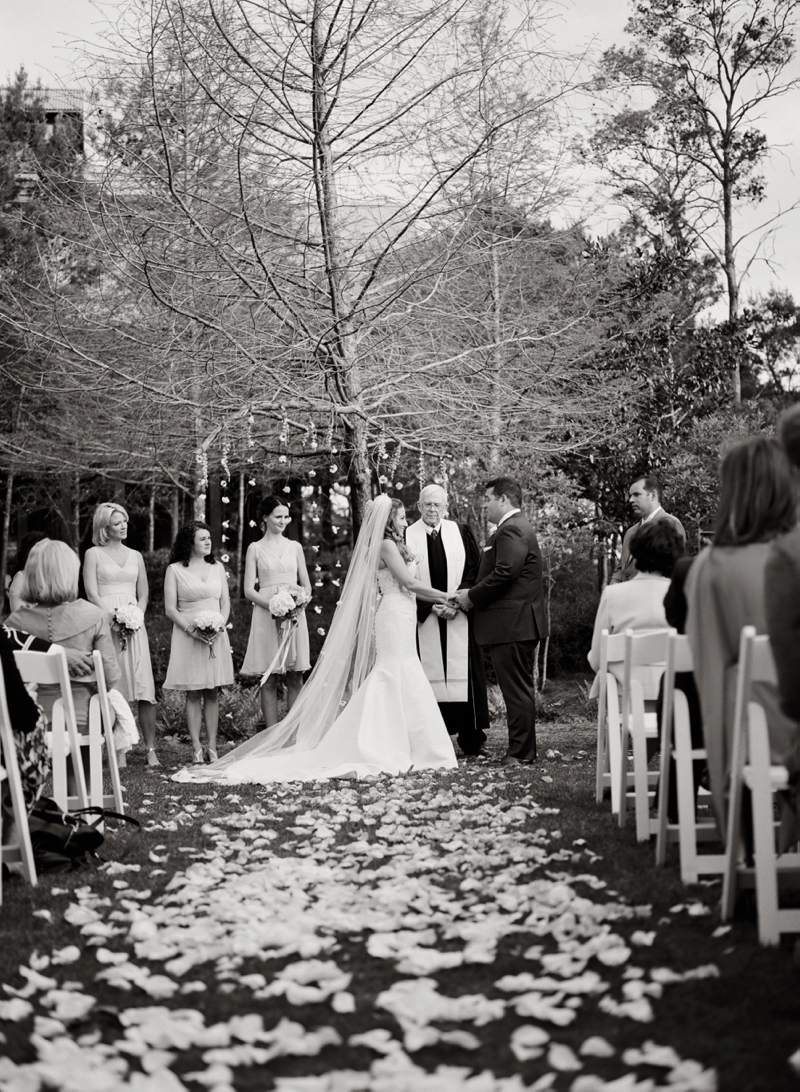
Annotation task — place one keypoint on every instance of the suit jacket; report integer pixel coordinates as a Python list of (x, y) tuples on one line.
[(508, 596), (627, 566)]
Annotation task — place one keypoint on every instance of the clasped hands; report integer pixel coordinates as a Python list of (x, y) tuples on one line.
[(460, 600)]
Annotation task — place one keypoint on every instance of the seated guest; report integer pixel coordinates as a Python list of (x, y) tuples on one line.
[(52, 611), (638, 603), (725, 591), (18, 579)]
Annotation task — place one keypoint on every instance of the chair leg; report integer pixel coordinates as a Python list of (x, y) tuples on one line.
[(602, 754), (642, 800), (763, 830), (687, 818), (613, 733)]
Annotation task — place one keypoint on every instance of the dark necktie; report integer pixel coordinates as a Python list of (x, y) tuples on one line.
[(435, 533)]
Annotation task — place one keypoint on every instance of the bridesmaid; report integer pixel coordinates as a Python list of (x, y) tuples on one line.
[(195, 582), (271, 562), (114, 576)]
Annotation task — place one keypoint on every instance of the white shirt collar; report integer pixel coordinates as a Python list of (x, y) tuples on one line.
[(648, 518), (429, 529), (508, 515)]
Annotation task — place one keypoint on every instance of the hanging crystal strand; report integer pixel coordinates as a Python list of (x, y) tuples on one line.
[(421, 474), (283, 436), (311, 435), (441, 475), (393, 461), (250, 441)]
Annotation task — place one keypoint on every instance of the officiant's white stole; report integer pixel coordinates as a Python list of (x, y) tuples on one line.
[(448, 681)]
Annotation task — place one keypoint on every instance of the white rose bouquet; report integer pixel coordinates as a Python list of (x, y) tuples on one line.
[(126, 621), (208, 624), (287, 602)]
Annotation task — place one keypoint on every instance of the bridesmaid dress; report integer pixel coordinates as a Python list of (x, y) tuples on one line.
[(116, 587), (191, 665), (274, 571)]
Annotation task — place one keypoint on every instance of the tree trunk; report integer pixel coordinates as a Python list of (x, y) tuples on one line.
[(730, 278), (495, 451), (240, 539), (76, 511), (6, 525), (215, 512), (175, 512), (151, 520)]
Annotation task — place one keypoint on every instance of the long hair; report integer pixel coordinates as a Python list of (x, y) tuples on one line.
[(391, 531), (102, 518), (184, 541), (51, 574), (756, 500)]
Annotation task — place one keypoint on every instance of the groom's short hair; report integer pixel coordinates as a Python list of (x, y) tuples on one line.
[(507, 486)]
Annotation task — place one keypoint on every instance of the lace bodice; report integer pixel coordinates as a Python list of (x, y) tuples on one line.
[(387, 583)]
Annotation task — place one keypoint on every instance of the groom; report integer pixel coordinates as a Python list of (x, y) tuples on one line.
[(509, 611)]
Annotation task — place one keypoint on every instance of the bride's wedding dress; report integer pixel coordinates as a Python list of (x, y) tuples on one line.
[(390, 724)]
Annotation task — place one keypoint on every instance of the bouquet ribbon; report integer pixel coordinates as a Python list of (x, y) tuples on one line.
[(288, 626)]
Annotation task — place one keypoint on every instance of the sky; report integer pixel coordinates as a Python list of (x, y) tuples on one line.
[(48, 36)]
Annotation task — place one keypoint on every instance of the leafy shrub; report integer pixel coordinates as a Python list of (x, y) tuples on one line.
[(573, 608)]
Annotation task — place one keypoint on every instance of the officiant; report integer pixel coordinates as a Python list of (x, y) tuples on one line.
[(452, 659)]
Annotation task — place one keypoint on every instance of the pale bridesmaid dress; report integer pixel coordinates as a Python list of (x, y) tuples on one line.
[(191, 665), (275, 571), (116, 587)]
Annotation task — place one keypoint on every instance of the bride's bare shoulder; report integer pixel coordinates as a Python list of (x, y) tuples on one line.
[(389, 553)]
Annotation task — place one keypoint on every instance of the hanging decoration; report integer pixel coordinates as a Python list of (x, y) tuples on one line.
[(202, 481), (250, 441), (421, 472)]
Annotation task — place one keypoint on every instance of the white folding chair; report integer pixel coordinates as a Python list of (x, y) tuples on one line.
[(641, 650), (101, 726), (50, 668), (612, 651), (676, 740), (763, 779), (20, 851)]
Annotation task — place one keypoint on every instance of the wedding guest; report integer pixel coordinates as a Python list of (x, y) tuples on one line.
[(452, 659), (782, 588), (271, 562), (29, 728), (53, 611), (638, 603), (725, 591), (199, 663), (18, 579), (114, 576), (644, 498)]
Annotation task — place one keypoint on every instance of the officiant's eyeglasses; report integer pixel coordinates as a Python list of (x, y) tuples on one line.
[(432, 504)]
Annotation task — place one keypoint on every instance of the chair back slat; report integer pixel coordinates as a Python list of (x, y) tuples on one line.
[(615, 648), (762, 662), (647, 649), (42, 668), (684, 661)]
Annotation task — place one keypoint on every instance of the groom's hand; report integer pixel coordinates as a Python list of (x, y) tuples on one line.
[(446, 611), (462, 599)]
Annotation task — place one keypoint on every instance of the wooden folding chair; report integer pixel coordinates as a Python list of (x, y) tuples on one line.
[(763, 779), (641, 650), (20, 851), (101, 726), (50, 668), (676, 740)]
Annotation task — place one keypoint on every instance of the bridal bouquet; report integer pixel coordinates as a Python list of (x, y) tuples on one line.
[(287, 602), (126, 621), (208, 623)]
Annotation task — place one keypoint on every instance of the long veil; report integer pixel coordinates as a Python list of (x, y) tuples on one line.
[(344, 662)]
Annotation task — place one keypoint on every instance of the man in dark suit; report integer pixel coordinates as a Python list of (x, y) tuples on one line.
[(509, 611), (644, 497)]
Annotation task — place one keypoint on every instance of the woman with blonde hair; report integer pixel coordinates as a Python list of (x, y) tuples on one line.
[(114, 576), (53, 611)]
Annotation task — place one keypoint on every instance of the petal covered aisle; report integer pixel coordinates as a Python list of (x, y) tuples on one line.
[(419, 934)]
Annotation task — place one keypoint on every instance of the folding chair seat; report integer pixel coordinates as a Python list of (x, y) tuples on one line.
[(641, 650), (50, 668), (696, 822), (19, 851), (750, 733)]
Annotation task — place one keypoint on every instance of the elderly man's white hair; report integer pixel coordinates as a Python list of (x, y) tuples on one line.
[(433, 493)]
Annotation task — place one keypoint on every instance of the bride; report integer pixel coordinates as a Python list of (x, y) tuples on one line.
[(367, 707)]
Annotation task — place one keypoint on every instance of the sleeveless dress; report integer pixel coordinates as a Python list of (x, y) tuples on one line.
[(265, 633), (116, 586), (391, 724), (191, 666)]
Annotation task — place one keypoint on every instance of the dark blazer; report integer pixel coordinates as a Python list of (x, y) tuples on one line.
[(627, 566), (508, 597)]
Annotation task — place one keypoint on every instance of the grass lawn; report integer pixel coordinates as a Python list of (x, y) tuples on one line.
[(388, 910)]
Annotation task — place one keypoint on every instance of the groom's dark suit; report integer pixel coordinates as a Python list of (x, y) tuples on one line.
[(510, 619)]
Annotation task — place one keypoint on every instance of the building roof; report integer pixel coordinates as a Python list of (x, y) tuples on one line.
[(62, 100)]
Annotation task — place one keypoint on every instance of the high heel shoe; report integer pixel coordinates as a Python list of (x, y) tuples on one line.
[(211, 756), (198, 759), (152, 757)]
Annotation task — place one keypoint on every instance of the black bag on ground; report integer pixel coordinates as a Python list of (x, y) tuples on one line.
[(64, 841)]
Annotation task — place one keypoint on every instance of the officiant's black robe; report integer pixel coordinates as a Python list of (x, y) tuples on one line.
[(467, 720)]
